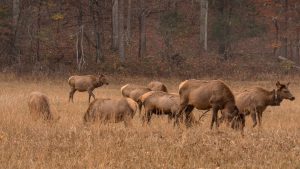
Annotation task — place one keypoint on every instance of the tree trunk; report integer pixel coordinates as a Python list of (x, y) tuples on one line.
[(291, 49), (275, 45), (15, 20), (298, 46), (79, 37), (121, 32), (285, 28), (96, 21), (203, 24), (115, 25), (228, 33), (16, 13), (225, 13), (79, 21), (129, 22), (142, 30), (38, 32), (222, 21)]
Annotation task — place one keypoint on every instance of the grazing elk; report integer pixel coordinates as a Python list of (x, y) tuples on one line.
[(111, 110), (161, 103), (253, 102), (134, 92), (206, 95), (157, 86), (86, 83), (39, 106)]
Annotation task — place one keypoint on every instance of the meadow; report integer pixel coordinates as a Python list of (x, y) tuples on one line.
[(68, 143)]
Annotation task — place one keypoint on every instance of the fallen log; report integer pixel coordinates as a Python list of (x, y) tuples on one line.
[(293, 64)]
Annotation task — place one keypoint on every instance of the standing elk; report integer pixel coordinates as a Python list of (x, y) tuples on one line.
[(161, 103), (254, 102), (86, 83), (111, 110), (215, 95)]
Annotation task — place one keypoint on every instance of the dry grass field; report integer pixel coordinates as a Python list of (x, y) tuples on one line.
[(68, 143)]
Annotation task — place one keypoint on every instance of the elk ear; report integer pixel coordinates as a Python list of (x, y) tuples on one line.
[(288, 84), (278, 84)]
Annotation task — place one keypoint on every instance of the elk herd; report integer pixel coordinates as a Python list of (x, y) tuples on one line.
[(154, 98)]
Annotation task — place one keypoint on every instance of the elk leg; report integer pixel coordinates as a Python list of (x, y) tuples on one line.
[(89, 97), (188, 119), (91, 94), (148, 116), (144, 116), (140, 108), (214, 117), (222, 119), (259, 116), (170, 117), (253, 116), (71, 94), (179, 114), (183, 105)]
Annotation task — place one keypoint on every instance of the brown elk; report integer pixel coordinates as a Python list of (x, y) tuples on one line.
[(161, 103), (86, 83), (39, 106), (134, 92), (254, 102), (215, 95), (157, 86), (111, 110)]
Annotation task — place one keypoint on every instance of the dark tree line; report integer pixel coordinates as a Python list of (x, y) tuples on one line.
[(124, 33)]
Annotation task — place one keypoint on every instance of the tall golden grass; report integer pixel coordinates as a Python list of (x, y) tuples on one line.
[(68, 143)]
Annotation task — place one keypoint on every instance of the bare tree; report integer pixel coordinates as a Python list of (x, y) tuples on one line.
[(96, 21), (16, 13), (203, 23), (275, 45), (128, 25), (38, 32), (115, 24), (142, 29), (285, 29), (298, 45), (79, 49), (283, 45), (121, 32), (79, 38), (225, 13), (15, 20)]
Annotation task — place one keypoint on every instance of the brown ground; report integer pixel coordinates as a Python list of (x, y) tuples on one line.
[(69, 144)]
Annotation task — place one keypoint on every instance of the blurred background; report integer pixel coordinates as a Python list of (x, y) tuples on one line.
[(241, 39)]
